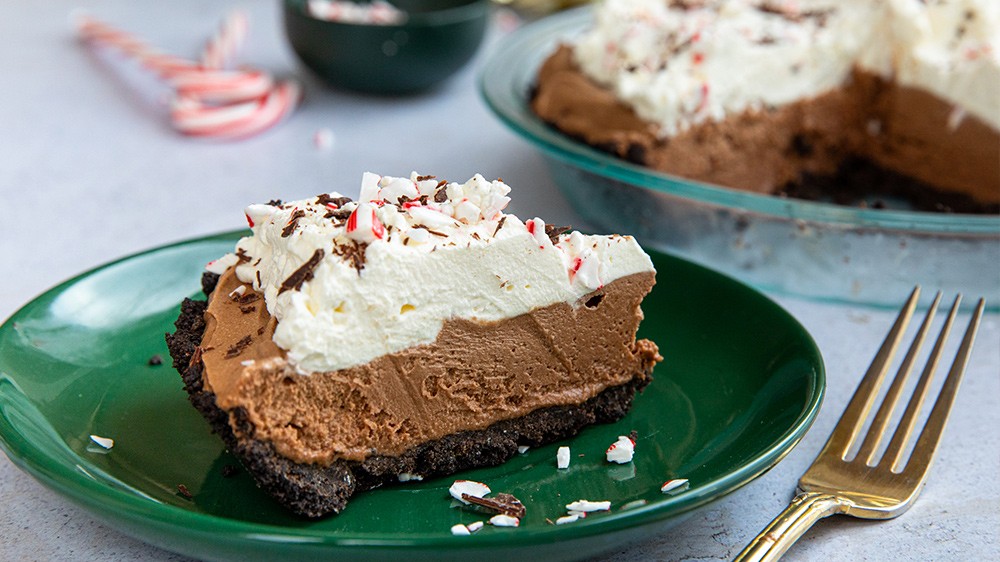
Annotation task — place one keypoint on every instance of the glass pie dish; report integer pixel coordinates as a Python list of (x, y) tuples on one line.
[(806, 248)]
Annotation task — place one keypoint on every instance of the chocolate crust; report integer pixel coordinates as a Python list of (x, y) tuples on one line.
[(315, 491)]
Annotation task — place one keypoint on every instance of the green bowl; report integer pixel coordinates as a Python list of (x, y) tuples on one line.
[(436, 40)]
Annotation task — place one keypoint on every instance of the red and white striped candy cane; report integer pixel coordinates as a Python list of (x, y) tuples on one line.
[(164, 65), (228, 39), (222, 86), (194, 118)]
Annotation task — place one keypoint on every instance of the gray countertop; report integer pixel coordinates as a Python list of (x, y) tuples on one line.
[(90, 171)]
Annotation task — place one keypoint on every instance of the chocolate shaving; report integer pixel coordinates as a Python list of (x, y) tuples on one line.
[(302, 274), (241, 256), (441, 195), (339, 214), (155, 360), (436, 233), (292, 223), (238, 347), (275, 202), (353, 253), (247, 309), (248, 298), (502, 503), (260, 331), (424, 178), (183, 490), (500, 224), (259, 283), (633, 435), (553, 232), (196, 356), (327, 199)]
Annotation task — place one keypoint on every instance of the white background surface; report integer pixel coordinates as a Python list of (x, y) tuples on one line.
[(90, 171)]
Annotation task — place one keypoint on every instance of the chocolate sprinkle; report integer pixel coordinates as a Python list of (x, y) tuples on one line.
[(326, 199), (303, 273), (292, 223), (248, 298), (503, 503), (353, 253), (155, 360), (238, 347), (553, 232), (500, 224)]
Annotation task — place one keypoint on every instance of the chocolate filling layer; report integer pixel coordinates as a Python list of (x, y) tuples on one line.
[(313, 489), (870, 137), (472, 375)]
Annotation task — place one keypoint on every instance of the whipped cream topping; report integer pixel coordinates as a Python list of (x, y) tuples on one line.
[(350, 281), (682, 62)]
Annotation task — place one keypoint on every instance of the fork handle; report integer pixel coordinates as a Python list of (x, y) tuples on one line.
[(806, 509)]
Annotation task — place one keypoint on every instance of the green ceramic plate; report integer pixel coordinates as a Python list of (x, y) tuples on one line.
[(740, 385)]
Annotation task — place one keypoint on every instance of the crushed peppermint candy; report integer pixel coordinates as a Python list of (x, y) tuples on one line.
[(674, 486), (220, 265), (504, 521), (238, 292), (460, 530), (562, 458), (468, 488), (323, 139), (363, 226), (474, 526), (522, 449), (104, 442), (378, 12), (567, 519), (633, 504), (587, 506), (621, 451)]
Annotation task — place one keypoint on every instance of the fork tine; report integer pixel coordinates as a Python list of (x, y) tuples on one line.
[(923, 452), (877, 429), (859, 406), (897, 445)]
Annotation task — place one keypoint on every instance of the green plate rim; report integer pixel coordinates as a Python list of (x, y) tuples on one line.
[(98, 497)]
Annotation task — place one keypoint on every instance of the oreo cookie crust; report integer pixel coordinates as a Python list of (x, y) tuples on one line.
[(314, 491)]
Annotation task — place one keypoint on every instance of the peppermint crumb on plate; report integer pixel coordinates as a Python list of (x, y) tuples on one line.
[(562, 458), (468, 487), (460, 530), (474, 526), (587, 506), (104, 442), (567, 519), (621, 451), (674, 486), (504, 521)]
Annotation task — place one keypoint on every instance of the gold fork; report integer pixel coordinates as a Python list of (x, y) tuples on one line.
[(868, 485)]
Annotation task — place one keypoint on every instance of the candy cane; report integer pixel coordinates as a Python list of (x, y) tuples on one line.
[(164, 65), (228, 39), (194, 118), (222, 86)]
